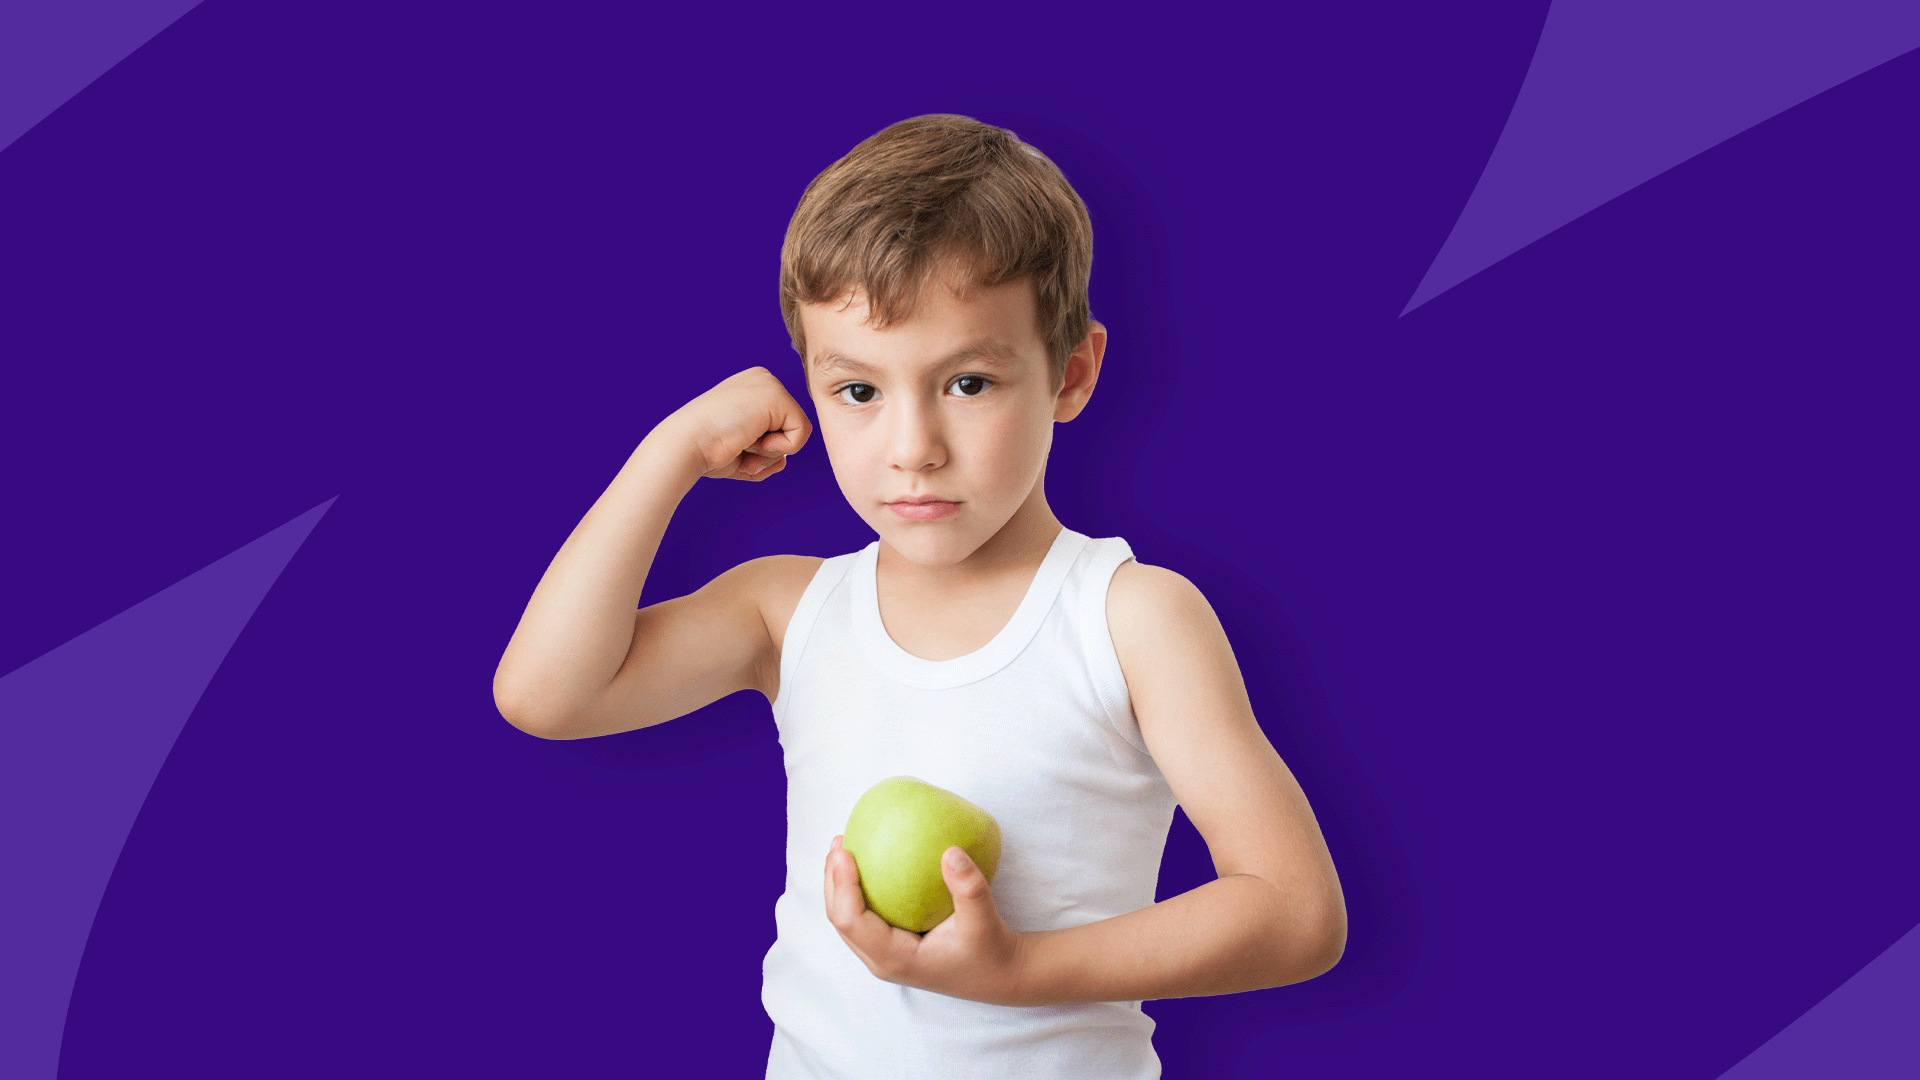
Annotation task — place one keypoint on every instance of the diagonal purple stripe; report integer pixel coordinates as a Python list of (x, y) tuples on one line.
[(83, 732), (51, 49), (1620, 91), (1868, 1029)]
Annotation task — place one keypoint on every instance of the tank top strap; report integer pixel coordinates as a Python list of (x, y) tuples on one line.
[(800, 627), (1094, 577)]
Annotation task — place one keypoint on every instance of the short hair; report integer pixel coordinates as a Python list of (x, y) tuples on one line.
[(928, 190)]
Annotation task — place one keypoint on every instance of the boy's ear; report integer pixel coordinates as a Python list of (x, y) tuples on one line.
[(1083, 370)]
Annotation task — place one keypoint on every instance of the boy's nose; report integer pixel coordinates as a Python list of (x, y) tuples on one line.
[(916, 443)]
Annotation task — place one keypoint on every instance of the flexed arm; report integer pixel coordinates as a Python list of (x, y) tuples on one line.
[(1275, 915), (583, 660)]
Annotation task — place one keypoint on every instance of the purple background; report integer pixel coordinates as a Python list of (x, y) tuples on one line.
[(1580, 599)]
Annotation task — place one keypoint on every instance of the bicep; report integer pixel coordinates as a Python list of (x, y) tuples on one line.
[(693, 650), (1198, 724)]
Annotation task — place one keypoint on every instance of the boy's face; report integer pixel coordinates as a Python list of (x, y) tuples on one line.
[(938, 427)]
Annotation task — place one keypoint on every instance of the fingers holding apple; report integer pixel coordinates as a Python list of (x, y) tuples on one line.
[(921, 912), (966, 883), (845, 906), (887, 951), (977, 951)]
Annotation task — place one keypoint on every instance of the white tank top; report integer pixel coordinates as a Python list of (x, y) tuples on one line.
[(1036, 728)]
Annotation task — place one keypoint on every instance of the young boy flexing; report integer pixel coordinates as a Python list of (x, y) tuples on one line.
[(934, 282)]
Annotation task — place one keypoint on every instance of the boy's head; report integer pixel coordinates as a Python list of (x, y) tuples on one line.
[(935, 284), (938, 192)]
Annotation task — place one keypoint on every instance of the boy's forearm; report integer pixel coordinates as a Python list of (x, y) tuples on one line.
[(578, 627), (1232, 934)]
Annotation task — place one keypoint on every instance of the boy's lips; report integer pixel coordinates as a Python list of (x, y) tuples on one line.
[(923, 508)]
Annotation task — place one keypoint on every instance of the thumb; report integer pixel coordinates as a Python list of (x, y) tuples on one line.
[(964, 880)]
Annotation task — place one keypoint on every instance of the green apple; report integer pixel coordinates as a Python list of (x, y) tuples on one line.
[(897, 834)]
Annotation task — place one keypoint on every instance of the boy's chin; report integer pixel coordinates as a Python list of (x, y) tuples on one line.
[(933, 544)]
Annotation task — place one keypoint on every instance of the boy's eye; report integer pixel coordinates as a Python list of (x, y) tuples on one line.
[(857, 393), (969, 385)]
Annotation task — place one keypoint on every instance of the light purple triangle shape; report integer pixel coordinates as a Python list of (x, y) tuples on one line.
[(51, 50), (1868, 1029), (83, 732), (1620, 91)]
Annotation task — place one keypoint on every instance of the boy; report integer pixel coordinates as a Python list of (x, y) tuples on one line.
[(934, 282)]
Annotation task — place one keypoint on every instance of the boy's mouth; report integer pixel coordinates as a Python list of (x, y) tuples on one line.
[(923, 508)]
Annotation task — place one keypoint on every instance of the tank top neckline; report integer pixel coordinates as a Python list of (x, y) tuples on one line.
[(899, 664)]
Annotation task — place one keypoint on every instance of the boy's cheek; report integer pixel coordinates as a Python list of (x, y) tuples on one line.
[(856, 489), (844, 448)]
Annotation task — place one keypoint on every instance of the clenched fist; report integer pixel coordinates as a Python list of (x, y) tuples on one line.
[(744, 428)]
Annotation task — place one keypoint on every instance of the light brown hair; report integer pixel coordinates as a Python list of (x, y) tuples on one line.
[(932, 189)]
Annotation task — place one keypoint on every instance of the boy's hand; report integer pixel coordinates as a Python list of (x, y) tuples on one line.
[(974, 954), (744, 428)]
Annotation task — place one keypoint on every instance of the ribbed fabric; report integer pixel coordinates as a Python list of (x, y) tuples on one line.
[(1036, 728)]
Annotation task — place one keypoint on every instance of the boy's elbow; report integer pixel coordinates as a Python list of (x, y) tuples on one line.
[(532, 723), (527, 712), (1316, 946), (1329, 943)]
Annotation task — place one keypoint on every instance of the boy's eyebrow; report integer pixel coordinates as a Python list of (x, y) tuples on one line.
[(983, 349)]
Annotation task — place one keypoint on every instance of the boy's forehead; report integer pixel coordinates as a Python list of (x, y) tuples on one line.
[(946, 325)]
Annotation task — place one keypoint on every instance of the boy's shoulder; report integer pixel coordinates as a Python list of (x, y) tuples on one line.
[(774, 585), (1141, 595), (773, 577), (1160, 622)]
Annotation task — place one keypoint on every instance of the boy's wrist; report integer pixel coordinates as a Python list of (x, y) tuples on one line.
[(671, 451), (1019, 989)]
